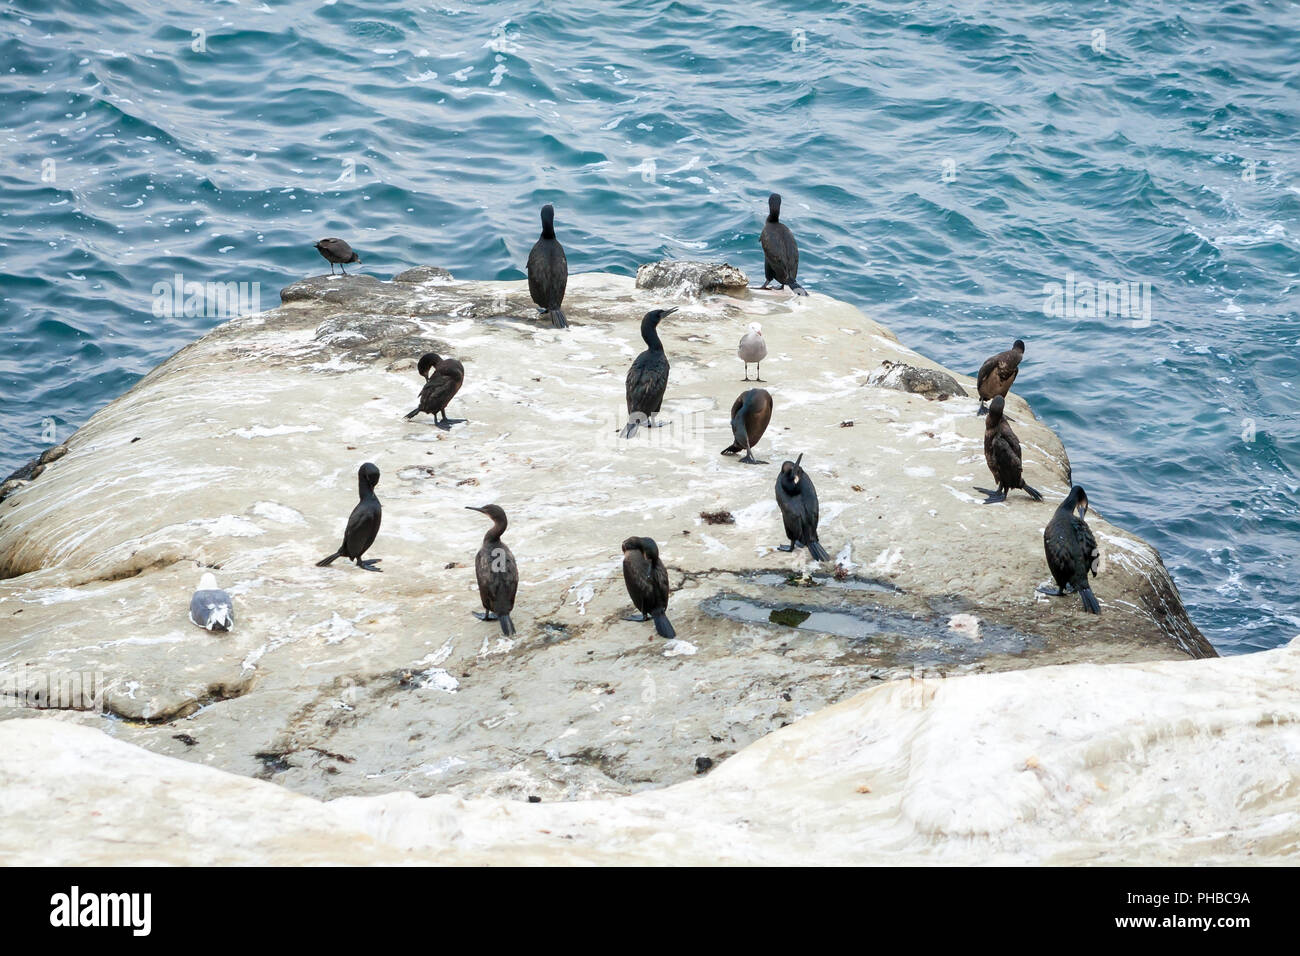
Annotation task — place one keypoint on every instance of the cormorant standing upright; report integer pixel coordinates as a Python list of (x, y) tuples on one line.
[(997, 373), (336, 251), (750, 414), (497, 572), (753, 348), (797, 499), (1072, 550), (363, 523), (548, 271), (647, 379), (440, 387), (647, 583), (1002, 454), (780, 251)]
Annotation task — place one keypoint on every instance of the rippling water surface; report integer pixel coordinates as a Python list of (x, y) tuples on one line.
[(941, 163)]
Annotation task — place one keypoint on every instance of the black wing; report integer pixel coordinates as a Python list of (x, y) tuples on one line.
[(363, 528), (780, 251), (647, 380), (548, 273)]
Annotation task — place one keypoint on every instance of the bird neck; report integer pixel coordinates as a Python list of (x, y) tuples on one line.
[(365, 489), (548, 230), (650, 333), (494, 535)]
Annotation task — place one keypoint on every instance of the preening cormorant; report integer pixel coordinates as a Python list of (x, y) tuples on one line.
[(211, 607), (647, 583), (337, 252), (753, 348), (780, 251), (1072, 550), (548, 271), (647, 379), (1002, 454), (443, 379), (750, 414), (997, 373), (497, 572), (363, 523), (797, 499)]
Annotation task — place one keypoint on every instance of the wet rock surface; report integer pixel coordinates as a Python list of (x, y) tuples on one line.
[(336, 681), (684, 277), (932, 383)]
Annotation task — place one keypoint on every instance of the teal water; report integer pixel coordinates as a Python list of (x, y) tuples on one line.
[(941, 163)]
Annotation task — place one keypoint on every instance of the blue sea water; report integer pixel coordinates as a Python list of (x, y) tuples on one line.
[(941, 163)]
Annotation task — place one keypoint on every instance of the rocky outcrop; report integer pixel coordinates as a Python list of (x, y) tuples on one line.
[(1166, 763), (239, 454), (931, 383), (687, 278)]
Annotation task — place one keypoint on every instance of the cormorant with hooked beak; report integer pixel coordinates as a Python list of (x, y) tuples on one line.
[(497, 572), (1072, 550), (548, 271), (363, 523), (647, 583), (797, 499), (647, 379), (780, 251), (1002, 455), (750, 414), (443, 379), (997, 373)]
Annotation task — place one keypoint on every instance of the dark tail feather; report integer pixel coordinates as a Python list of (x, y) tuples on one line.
[(1089, 601), (507, 625), (1032, 492), (817, 551), (663, 627), (412, 413), (325, 562), (629, 429), (558, 320)]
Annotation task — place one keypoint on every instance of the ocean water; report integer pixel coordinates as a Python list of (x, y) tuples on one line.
[(943, 164)]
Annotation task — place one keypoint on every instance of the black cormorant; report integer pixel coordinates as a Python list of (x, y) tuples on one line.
[(548, 271), (797, 499), (363, 523), (497, 572), (647, 583), (780, 251), (997, 373), (750, 414), (1002, 454), (1072, 550), (647, 379), (443, 379)]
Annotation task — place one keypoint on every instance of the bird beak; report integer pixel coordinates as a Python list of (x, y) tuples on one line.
[(667, 312), (1083, 509), (472, 508)]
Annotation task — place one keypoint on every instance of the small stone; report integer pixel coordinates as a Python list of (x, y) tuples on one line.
[(717, 517), (703, 764), (534, 798), (864, 789)]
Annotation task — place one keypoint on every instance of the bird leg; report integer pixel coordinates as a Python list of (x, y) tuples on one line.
[(345, 271), (984, 409), (746, 378), (485, 615), (1032, 492), (994, 496), (446, 422), (369, 565), (633, 617), (1059, 592), (749, 459), (758, 376), (331, 268)]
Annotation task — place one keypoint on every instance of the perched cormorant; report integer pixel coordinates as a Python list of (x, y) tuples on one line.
[(1002, 454), (780, 251), (647, 379), (337, 252), (1072, 550), (363, 523), (211, 607), (749, 417), (497, 573), (548, 271), (753, 348), (443, 379), (647, 583), (797, 499), (997, 373)]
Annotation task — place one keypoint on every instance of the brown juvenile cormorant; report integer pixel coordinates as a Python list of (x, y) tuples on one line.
[(750, 414), (647, 379), (363, 523), (780, 251), (753, 348), (497, 573), (1072, 550), (797, 499), (443, 379), (647, 583), (548, 271), (337, 252), (1002, 454), (997, 373)]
